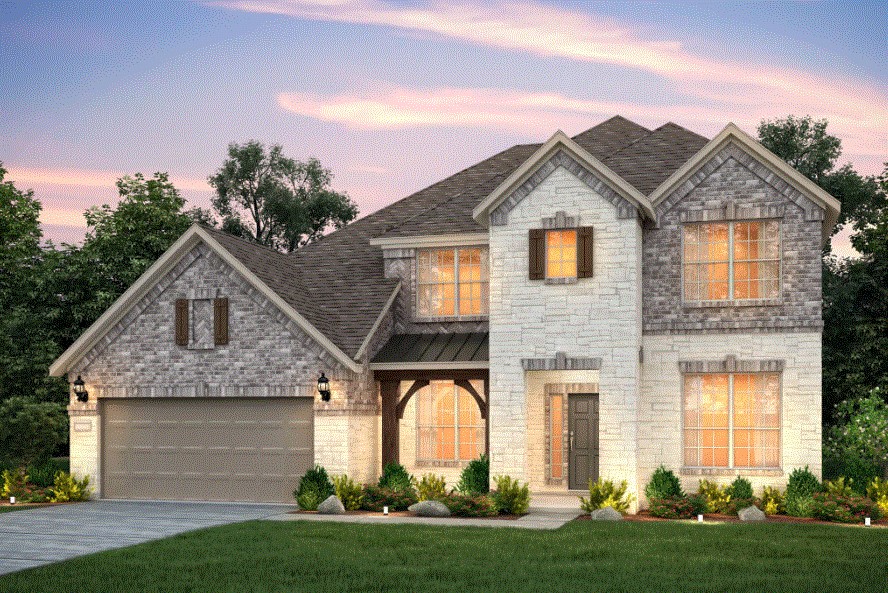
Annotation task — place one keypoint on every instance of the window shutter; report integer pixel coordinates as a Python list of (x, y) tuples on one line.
[(220, 321), (584, 252), (182, 322), (537, 254)]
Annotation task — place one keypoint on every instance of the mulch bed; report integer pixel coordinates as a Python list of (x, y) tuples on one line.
[(646, 517), (409, 514)]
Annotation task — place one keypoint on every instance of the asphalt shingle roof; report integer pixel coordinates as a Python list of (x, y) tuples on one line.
[(338, 284)]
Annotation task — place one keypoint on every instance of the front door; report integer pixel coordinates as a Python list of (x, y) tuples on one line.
[(582, 422)]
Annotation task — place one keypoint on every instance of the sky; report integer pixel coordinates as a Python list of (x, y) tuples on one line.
[(393, 96)]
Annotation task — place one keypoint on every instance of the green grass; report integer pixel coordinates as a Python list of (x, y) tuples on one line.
[(18, 507), (582, 556)]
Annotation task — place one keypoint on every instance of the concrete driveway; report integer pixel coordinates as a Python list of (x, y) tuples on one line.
[(44, 535)]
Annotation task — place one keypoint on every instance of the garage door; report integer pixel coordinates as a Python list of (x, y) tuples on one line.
[(232, 449)]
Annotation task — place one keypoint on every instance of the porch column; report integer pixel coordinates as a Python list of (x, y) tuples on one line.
[(389, 391)]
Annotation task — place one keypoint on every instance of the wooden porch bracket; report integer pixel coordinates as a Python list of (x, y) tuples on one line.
[(402, 405), (482, 403)]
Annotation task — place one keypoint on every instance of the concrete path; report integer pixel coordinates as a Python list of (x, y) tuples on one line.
[(49, 534), (537, 518)]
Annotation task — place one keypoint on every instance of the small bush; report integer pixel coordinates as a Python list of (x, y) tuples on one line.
[(394, 476), (799, 506), (475, 478), (376, 497), (467, 505), (431, 487), (510, 497), (348, 492), (840, 487), (603, 493), (15, 483), (43, 474), (877, 491), (843, 509), (740, 488), (314, 488), (67, 488), (663, 484), (800, 491), (850, 465), (773, 501), (677, 507), (715, 496)]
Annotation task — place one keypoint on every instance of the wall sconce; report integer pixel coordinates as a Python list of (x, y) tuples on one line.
[(80, 390), (324, 387)]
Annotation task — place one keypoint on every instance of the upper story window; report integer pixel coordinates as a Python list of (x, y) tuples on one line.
[(452, 282), (726, 261), (561, 254)]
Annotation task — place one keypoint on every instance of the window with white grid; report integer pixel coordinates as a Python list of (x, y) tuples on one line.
[(448, 423), (452, 282), (731, 261), (732, 420), (561, 254)]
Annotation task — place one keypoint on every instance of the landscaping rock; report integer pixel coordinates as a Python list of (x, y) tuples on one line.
[(606, 514), (429, 508), (331, 506), (752, 513)]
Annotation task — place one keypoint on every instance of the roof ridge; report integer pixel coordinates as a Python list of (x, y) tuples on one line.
[(681, 127), (619, 150), (612, 118)]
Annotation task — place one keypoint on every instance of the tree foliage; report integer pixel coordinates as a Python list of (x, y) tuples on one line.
[(30, 432), (273, 200), (861, 429), (803, 143)]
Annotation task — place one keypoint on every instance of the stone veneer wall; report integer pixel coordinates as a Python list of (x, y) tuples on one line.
[(660, 407), (733, 185), (267, 355), (598, 318)]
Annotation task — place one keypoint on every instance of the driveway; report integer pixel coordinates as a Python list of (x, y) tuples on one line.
[(50, 534)]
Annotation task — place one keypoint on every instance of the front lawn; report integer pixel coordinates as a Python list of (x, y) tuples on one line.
[(17, 507), (582, 556)]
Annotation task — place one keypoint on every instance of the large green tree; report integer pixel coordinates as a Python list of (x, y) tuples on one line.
[(273, 200)]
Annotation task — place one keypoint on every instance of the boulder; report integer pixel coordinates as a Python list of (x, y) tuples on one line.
[(429, 508), (606, 514), (752, 513), (331, 506)]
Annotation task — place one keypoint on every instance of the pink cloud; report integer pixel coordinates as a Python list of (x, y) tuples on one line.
[(35, 176)]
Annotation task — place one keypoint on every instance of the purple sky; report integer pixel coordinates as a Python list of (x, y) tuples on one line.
[(393, 96)]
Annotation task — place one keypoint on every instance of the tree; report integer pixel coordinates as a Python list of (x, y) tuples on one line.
[(861, 430), (30, 432), (20, 237), (803, 143), (274, 200)]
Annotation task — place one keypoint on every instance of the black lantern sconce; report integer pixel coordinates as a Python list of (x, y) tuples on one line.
[(324, 387), (80, 390)]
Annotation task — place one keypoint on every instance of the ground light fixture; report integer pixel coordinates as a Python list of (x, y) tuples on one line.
[(80, 390), (324, 387)]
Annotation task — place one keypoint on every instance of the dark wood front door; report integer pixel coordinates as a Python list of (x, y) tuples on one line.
[(582, 422)]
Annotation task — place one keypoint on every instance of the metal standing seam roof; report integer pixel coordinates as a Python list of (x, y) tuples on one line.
[(424, 348)]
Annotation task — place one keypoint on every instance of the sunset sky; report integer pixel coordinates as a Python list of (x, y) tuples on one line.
[(393, 96)]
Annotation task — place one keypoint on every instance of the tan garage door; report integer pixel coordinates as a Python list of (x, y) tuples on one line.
[(236, 449)]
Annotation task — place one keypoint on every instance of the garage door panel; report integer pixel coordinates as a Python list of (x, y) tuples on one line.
[(224, 449)]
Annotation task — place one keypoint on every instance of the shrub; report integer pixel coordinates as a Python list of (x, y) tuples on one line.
[(30, 431), (715, 496), (314, 488), (603, 493), (67, 488), (740, 488), (663, 484), (467, 505), (677, 507), (844, 509), (43, 475), (431, 487), (860, 432), (510, 497), (15, 483), (475, 478), (394, 476), (773, 501), (800, 490), (376, 497), (840, 487), (349, 493), (877, 491), (859, 471)]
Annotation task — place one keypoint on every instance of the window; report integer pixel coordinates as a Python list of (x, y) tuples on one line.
[(556, 436), (732, 261), (452, 282), (561, 254), (449, 424), (732, 420)]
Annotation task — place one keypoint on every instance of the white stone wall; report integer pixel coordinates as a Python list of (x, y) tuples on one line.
[(84, 437), (595, 317), (660, 407), (349, 444)]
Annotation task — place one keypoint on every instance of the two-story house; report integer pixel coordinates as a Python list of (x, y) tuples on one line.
[(590, 306)]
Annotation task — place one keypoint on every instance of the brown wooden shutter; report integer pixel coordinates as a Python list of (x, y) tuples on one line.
[(584, 252), (220, 321), (182, 322), (537, 254)]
